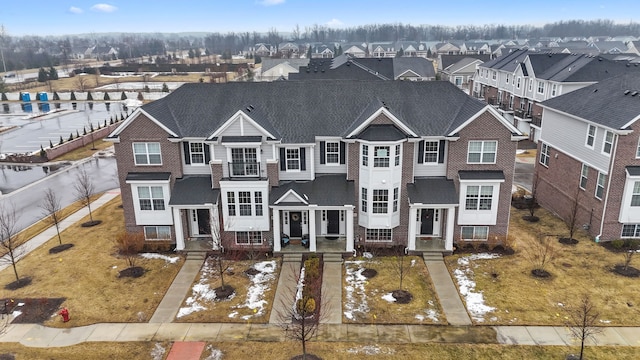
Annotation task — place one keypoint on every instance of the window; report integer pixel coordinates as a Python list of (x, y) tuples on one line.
[(293, 159), (508, 78), (518, 83), (591, 136), (244, 162), (608, 143), (248, 237), (258, 203), (635, 197), (197, 153), (244, 199), (380, 199), (395, 199), (458, 80), (363, 199), (482, 152), (554, 88), (231, 203), (540, 87), (600, 187), (151, 198), (397, 160), (584, 175), (474, 232), (365, 155), (147, 153), (510, 102), (431, 151), (378, 235), (479, 197), (493, 75), (638, 150), (530, 85), (157, 232), (544, 154), (332, 152), (630, 230), (381, 156)]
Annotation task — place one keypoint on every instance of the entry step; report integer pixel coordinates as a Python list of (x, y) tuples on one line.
[(432, 256), (332, 257), (292, 258)]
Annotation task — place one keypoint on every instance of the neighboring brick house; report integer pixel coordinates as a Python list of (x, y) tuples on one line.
[(589, 155), (377, 163), (516, 82)]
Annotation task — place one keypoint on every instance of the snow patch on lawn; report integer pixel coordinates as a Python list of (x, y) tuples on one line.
[(158, 352), (356, 298), (215, 354), (388, 297), (464, 275), (259, 285), (201, 292), (370, 350), (169, 259)]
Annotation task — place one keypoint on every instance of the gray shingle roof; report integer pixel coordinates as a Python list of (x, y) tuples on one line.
[(302, 110), (604, 103), (633, 170), (194, 190), (435, 191), (324, 190), (419, 65)]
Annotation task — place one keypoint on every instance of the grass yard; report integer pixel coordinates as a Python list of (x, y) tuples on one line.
[(350, 351), (365, 303), (86, 275), (253, 297), (521, 299), (84, 151), (94, 350)]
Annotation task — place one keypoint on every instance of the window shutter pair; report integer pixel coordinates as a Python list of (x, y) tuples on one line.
[(323, 152), (283, 159), (187, 153), (440, 152)]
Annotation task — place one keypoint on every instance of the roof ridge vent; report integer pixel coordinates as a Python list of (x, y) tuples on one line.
[(626, 92), (634, 93)]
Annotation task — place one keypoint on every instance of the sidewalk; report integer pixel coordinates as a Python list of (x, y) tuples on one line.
[(34, 335), (46, 235)]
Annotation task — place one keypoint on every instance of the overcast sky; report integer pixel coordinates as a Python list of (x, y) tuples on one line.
[(59, 17)]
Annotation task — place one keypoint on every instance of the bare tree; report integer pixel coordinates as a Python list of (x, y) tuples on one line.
[(572, 220), (81, 82), (631, 246), (9, 237), (129, 245), (51, 209), (582, 321), (402, 268), (540, 253), (84, 189), (532, 201)]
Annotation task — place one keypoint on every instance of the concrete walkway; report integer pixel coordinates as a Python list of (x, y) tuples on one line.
[(46, 235), (285, 291), (332, 289), (34, 335), (448, 295)]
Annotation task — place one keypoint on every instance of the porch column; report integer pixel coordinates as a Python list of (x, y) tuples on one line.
[(413, 215), (275, 219), (349, 228), (177, 226), (312, 228), (214, 220), (451, 220)]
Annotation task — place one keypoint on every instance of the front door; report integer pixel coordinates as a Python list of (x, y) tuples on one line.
[(200, 222), (295, 225), (426, 222), (333, 221)]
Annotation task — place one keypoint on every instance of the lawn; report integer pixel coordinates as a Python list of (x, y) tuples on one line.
[(507, 285), (368, 301), (84, 152), (253, 298), (86, 275), (95, 350)]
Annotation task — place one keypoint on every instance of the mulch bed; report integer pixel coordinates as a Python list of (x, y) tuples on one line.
[(33, 310), (91, 223), (402, 296), (482, 248), (18, 284), (530, 218), (630, 271), (60, 248), (133, 272), (224, 292), (309, 357), (568, 241), (539, 273), (252, 272), (369, 273)]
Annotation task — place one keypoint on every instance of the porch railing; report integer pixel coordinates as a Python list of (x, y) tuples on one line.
[(522, 114), (244, 169), (536, 120)]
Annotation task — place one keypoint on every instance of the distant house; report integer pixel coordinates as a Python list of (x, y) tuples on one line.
[(589, 157), (331, 163), (276, 69), (461, 72)]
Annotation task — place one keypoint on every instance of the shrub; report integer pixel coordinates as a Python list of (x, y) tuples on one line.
[(123, 96), (617, 244)]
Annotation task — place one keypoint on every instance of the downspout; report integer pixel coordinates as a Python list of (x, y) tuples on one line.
[(606, 199)]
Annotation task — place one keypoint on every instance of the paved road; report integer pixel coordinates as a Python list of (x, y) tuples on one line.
[(28, 199)]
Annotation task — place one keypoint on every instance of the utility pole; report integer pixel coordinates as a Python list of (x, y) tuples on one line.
[(4, 66)]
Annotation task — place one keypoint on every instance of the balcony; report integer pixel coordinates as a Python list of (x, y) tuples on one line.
[(244, 169), (492, 100), (536, 120), (522, 114), (506, 106)]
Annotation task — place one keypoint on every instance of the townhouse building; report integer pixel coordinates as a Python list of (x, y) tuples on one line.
[(374, 163), (516, 82), (589, 157)]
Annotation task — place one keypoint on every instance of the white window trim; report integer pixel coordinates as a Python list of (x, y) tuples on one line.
[(584, 176), (482, 152), (437, 152), (250, 240), (544, 152), (387, 157), (586, 140), (327, 153), (540, 89), (151, 198), (367, 239), (518, 82), (479, 197), (146, 145), (191, 153), (252, 204), (474, 232), (638, 150), (604, 142), (598, 185), (286, 159), (636, 230), (156, 227)]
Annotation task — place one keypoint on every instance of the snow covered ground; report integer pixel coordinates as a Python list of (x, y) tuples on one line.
[(464, 277)]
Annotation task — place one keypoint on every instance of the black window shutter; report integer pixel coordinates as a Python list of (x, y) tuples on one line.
[(343, 153), (207, 153), (441, 152), (303, 160), (421, 152), (322, 152), (283, 159), (187, 153)]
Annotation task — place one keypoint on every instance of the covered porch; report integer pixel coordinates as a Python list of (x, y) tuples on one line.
[(194, 207), (432, 214)]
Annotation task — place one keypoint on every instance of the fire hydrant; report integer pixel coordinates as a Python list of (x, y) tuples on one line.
[(65, 314)]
